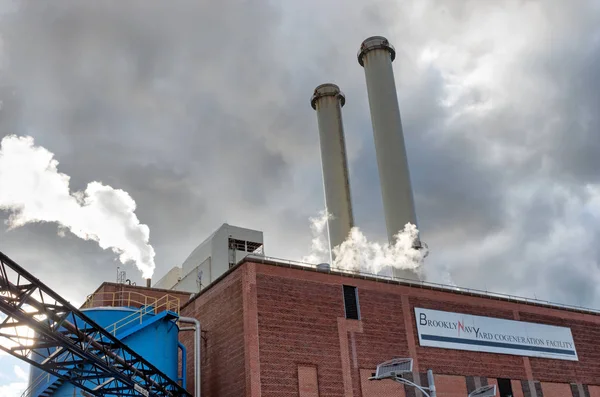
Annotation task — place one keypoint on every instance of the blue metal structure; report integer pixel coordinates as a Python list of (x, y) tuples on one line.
[(72, 346), (153, 336)]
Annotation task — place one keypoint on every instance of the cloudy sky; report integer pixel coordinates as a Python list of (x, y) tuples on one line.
[(200, 110)]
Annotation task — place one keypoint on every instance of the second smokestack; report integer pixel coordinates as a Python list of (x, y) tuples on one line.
[(376, 55), (328, 100)]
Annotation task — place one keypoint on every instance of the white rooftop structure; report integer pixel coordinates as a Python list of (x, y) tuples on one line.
[(212, 258)]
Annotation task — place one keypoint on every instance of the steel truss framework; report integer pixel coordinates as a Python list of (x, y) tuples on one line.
[(46, 331)]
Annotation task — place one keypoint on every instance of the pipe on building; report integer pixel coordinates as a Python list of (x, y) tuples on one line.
[(183, 363), (328, 101), (197, 344), (431, 382), (375, 56)]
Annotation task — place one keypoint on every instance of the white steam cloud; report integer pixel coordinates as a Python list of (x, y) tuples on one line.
[(358, 254), (34, 191), (319, 247)]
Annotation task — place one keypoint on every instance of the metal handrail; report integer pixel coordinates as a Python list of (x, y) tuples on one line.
[(130, 299), (118, 298), (35, 383), (356, 273), (147, 304), (139, 314)]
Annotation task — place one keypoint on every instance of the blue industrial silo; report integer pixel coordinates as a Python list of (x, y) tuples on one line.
[(150, 333)]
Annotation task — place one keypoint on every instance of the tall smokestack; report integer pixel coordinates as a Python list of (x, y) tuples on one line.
[(148, 282), (375, 56), (328, 100)]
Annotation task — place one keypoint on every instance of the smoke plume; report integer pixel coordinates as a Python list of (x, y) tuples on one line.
[(33, 190), (358, 254), (319, 247)]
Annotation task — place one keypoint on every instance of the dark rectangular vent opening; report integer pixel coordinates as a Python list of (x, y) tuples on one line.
[(239, 245), (252, 246), (504, 388), (351, 302)]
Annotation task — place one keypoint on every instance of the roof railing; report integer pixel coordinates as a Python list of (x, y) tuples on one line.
[(132, 299), (380, 277)]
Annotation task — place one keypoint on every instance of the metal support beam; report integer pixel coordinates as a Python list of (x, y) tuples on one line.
[(68, 344)]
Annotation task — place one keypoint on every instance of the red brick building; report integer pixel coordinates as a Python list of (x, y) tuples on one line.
[(272, 329), (277, 330)]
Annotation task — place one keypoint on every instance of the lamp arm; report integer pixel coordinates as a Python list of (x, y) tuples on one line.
[(407, 382)]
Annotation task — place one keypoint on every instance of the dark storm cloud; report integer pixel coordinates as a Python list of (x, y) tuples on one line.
[(143, 77), (179, 104), (200, 111), (451, 184), (500, 192), (576, 148)]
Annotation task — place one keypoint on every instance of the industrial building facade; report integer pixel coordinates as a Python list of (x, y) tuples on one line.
[(274, 329)]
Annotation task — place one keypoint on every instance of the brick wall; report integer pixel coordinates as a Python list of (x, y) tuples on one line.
[(594, 391), (220, 311), (275, 331), (517, 388), (386, 388), (450, 386), (279, 331), (308, 385), (384, 333), (585, 335), (120, 292), (298, 325), (299, 313), (550, 389)]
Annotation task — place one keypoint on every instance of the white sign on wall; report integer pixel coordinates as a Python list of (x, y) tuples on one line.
[(493, 335)]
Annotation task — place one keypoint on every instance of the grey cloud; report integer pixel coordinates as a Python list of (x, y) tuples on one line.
[(179, 104), (572, 287), (577, 146), (451, 185), (200, 111), (66, 266), (543, 134)]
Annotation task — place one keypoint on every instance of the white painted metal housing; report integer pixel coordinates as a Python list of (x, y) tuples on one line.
[(212, 258), (328, 100), (169, 280), (376, 55)]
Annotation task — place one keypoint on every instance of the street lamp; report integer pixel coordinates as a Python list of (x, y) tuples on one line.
[(391, 368), (394, 369), (484, 391)]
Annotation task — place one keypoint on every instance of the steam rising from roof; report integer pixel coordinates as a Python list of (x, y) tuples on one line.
[(357, 253), (33, 190), (319, 249)]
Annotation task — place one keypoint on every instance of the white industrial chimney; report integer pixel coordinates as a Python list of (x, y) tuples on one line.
[(328, 100), (376, 55)]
